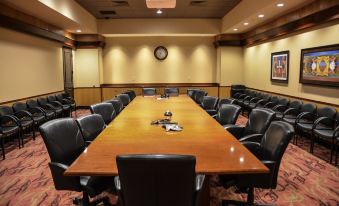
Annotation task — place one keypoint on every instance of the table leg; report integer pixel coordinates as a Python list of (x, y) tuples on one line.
[(204, 195)]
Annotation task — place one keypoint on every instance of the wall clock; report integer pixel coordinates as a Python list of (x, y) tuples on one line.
[(160, 53)]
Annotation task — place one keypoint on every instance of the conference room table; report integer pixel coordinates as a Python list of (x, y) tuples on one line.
[(131, 132)]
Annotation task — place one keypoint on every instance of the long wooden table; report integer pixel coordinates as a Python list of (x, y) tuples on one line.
[(216, 150)]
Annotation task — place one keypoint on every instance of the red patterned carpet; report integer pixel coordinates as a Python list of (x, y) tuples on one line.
[(304, 179)]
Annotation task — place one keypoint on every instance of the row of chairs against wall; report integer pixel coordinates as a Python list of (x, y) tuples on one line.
[(24, 118), (90, 126), (317, 123)]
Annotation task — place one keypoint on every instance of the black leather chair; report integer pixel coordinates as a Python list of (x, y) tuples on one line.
[(260, 102), (91, 126), (199, 96), (148, 92), (191, 92), (37, 114), (66, 108), (49, 113), (68, 102), (47, 106), (221, 102), (130, 93), (106, 110), (324, 125), (64, 144), (258, 122), (270, 151), (157, 180), (9, 127), (124, 98), (305, 120), (117, 105), (209, 103), (24, 119), (280, 108), (172, 91), (293, 110), (228, 114), (274, 100), (237, 88)]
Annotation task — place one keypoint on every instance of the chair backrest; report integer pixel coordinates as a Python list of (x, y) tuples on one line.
[(309, 107), (275, 99), (91, 126), (191, 92), (131, 94), (117, 104), (228, 114), (51, 98), (19, 106), (148, 92), (154, 180), (172, 91), (63, 140), (273, 146), (199, 96), (124, 98), (6, 110), (106, 111), (258, 121), (42, 101), (329, 112), (283, 101), (209, 102), (296, 104), (32, 103), (59, 97)]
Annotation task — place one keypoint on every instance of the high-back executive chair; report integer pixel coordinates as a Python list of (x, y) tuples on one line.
[(172, 91), (148, 92), (91, 126), (228, 114), (106, 110)]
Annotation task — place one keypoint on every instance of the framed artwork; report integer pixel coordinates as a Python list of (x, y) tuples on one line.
[(279, 66), (320, 65)]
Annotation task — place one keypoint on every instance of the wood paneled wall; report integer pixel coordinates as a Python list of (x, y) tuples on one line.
[(86, 96)]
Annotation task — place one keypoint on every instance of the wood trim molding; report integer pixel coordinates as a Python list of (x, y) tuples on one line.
[(31, 97), (311, 15), (89, 41), (142, 85), (295, 97)]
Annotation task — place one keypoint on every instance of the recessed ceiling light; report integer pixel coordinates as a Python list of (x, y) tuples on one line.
[(261, 16), (159, 11), (280, 5), (246, 23), (235, 29), (78, 30)]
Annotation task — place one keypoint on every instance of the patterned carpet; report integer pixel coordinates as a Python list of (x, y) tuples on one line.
[(304, 179)]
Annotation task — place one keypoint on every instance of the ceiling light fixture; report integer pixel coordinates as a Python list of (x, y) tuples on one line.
[(235, 29), (280, 5), (78, 30), (246, 23), (159, 11), (261, 16)]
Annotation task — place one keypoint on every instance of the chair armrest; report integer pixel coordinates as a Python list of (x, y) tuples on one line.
[(279, 108), (254, 100), (36, 110), (270, 164), (303, 115), (66, 101), (62, 182), (211, 111), (117, 183), (321, 119), (269, 104), (214, 116), (253, 147), (199, 182), (56, 103), (242, 96), (235, 130), (252, 138), (336, 130), (9, 118), (290, 111), (262, 102), (22, 114)]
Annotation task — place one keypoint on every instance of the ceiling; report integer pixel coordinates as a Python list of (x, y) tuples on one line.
[(117, 9)]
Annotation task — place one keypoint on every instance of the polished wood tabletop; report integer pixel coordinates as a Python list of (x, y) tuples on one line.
[(216, 150)]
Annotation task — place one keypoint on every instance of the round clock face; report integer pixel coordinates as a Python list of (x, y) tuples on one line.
[(160, 53)]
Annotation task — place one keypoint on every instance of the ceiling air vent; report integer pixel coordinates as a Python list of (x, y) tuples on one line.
[(198, 3), (110, 12), (117, 3)]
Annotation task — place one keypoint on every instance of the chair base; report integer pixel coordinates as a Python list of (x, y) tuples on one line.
[(239, 203)]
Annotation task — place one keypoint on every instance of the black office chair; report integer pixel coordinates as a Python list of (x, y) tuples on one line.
[(199, 96), (106, 110), (24, 119), (130, 93), (9, 127), (49, 113), (47, 106), (270, 151), (91, 126), (64, 144), (305, 120), (66, 108), (274, 100), (258, 122), (171, 91), (68, 102), (293, 110), (221, 102), (237, 89), (191, 92), (228, 114), (157, 180), (117, 105), (148, 92), (37, 114), (280, 108), (124, 98), (209, 103)]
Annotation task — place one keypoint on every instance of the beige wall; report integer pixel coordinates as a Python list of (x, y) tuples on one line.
[(29, 66), (87, 67), (257, 60), (231, 66), (131, 60)]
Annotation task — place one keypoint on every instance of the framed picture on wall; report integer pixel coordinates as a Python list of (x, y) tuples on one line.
[(320, 65), (279, 66)]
